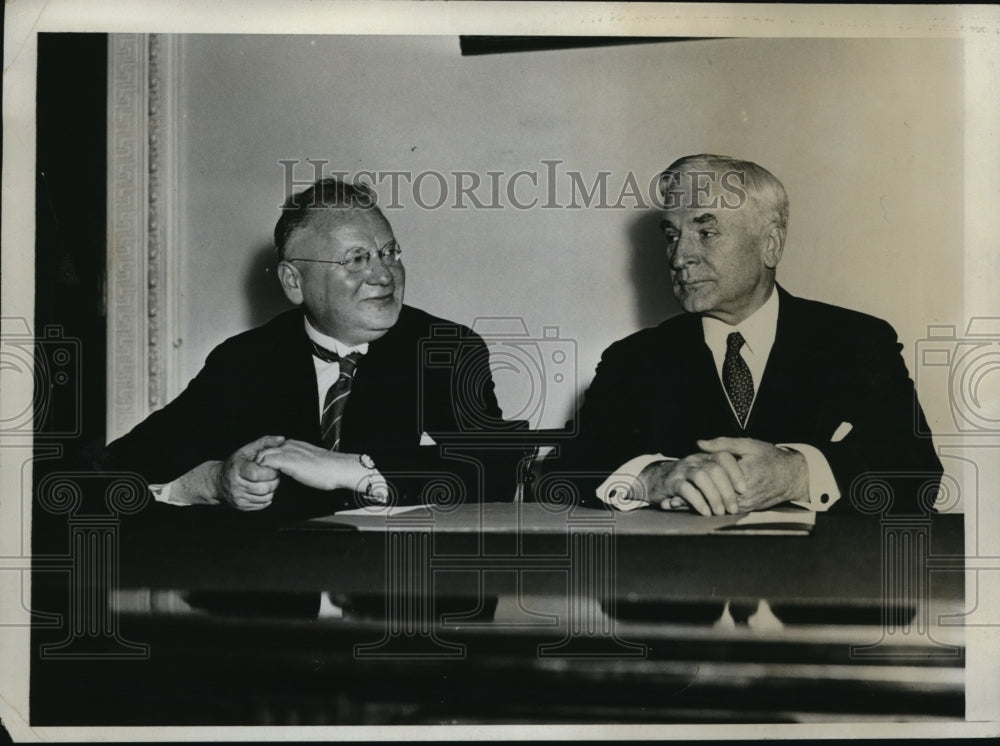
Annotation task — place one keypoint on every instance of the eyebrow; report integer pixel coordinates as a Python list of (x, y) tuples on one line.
[(700, 220)]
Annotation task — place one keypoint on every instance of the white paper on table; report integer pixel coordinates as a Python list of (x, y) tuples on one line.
[(382, 511), (778, 516)]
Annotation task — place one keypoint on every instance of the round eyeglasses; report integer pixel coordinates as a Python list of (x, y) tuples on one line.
[(359, 260)]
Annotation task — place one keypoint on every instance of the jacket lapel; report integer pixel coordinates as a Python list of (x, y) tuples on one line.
[(689, 388), (786, 371), (302, 400)]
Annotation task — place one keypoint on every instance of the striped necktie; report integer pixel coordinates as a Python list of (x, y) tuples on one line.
[(336, 396), (736, 378)]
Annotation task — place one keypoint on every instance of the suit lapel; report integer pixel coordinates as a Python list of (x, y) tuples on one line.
[(303, 397), (383, 393), (786, 371), (692, 384)]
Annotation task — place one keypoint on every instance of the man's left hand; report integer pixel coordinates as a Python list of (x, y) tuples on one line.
[(774, 475), (321, 469)]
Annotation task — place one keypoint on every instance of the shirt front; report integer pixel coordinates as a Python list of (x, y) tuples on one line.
[(758, 332)]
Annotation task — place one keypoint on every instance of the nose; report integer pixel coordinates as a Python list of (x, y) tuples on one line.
[(685, 253), (378, 271)]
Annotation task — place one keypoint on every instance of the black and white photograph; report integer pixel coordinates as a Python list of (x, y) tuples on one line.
[(480, 370)]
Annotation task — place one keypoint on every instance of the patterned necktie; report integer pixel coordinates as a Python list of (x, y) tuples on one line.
[(736, 378), (336, 396)]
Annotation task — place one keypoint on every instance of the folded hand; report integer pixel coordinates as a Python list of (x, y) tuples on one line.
[(708, 482), (773, 475)]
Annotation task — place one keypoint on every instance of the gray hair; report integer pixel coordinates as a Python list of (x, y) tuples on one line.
[(326, 194), (763, 188)]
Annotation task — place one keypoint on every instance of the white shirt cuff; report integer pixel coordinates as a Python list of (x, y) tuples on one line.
[(161, 493), (823, 490), (619, 489)]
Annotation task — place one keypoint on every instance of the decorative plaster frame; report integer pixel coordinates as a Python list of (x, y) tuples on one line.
[(143, 291)]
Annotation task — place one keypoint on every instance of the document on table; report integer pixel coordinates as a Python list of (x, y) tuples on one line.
[(530, 518), (384, 511)]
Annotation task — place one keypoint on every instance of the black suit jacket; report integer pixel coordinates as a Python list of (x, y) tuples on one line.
[(425, 375), (658, 391)]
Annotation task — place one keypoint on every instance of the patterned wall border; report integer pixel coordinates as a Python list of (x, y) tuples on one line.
[(143, 256)]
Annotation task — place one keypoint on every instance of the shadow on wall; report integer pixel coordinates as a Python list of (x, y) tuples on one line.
[(649, 271), (262, 291)]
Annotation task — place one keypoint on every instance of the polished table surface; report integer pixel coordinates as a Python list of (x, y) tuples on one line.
[(843, 560), (494, 613)]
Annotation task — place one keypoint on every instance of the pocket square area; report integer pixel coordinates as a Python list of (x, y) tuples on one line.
[(841, 432)]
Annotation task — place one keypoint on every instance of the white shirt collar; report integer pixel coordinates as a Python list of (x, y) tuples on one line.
[(332, 344), (758, 331)]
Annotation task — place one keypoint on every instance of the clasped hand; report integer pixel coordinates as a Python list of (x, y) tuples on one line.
[(729, 475), (321, 469), (247, 480), (242, 483)]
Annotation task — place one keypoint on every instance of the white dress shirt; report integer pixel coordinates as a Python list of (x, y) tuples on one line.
[(327, 374), (758, 332)]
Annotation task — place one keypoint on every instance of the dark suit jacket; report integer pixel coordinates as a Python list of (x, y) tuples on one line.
[(658, 391), (425, 375)]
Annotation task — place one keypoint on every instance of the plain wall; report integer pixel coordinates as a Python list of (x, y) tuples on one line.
[(865, 134)]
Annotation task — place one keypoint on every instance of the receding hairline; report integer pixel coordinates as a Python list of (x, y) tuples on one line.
[(333, 217), (330, 193)]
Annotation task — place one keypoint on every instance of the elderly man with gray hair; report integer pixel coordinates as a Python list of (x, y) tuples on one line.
[(752, 397)]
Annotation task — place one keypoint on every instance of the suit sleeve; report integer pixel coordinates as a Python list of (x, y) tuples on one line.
[(190, 430), (457, 412), (608, 429), (461, 397), (883, 459)]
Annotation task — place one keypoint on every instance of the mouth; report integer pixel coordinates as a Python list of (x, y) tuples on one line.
[(388, 297), (690, 283)]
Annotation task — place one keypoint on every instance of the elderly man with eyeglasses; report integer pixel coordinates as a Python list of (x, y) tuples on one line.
[(330, 402)]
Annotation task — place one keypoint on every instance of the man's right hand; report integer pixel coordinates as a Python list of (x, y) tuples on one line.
[(242, 483), (708, 482)]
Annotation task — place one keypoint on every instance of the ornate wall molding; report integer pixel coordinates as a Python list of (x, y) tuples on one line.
[(143, 261)]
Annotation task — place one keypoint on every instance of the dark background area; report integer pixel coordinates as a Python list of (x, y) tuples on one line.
[(69, 325), (70, 213)]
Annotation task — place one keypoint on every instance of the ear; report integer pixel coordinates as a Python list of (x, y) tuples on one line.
[(291, 282), (774, 245)]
